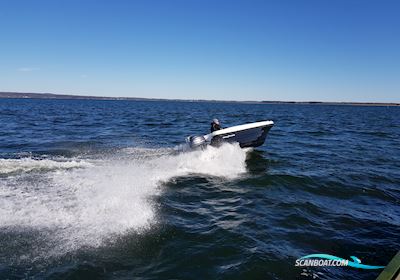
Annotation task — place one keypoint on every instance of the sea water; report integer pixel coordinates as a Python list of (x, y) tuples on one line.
[(104, 189)]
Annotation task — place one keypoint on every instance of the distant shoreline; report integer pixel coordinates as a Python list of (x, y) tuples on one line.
[(29, 95)]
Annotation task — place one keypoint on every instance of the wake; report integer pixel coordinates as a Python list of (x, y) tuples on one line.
[(85, 202)]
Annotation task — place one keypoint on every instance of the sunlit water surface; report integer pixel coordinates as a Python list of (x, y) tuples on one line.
[(103, 189)]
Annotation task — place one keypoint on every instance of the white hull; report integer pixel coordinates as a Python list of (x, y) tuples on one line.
[(247, 135)]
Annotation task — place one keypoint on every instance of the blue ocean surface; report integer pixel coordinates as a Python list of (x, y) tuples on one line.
[(93, 189)]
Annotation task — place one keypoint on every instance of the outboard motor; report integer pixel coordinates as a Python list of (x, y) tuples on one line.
[(196, 142)]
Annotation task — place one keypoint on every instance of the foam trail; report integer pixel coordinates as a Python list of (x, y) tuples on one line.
[(91, 204), (8, 166)]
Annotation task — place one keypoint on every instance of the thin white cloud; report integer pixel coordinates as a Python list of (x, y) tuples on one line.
[(28, 69)]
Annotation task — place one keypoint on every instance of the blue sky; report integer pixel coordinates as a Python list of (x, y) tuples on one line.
[(341, 50)]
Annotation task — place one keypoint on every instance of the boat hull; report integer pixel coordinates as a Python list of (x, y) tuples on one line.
[(247, 135)]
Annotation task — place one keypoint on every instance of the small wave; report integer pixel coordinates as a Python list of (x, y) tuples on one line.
[(12, 166)]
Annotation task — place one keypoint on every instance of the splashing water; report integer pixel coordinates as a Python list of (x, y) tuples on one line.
[(80, 203)]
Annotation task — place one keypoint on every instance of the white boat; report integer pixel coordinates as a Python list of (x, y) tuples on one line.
[(247, 135)]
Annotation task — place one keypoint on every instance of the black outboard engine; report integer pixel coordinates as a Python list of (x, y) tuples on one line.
[(197, 142)]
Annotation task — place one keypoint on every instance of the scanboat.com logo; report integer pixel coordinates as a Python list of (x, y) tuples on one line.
[(329, 260)]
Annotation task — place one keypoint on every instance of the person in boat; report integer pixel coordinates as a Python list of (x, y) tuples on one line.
[(215, 125)]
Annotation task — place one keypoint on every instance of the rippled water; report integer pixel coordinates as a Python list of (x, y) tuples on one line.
[(102, 189)]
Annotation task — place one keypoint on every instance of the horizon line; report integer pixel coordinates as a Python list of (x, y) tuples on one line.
[(49, 95)]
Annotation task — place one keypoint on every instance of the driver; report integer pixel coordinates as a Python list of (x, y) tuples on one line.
[(215, 125)]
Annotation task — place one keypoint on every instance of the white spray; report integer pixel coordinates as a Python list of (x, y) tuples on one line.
[(85, 202)]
